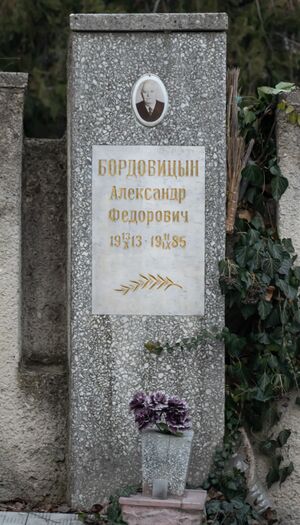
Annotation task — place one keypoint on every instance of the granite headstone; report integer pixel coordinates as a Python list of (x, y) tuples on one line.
[(147, 172)]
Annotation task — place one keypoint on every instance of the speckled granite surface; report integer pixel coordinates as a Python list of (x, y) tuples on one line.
[(108, 362)]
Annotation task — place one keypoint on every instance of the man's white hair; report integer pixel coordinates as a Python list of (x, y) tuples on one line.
[(145, 82)]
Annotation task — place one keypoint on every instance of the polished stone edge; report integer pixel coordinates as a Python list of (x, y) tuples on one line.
[(191, 500), (38, 518), (13, 80), (149, 22)]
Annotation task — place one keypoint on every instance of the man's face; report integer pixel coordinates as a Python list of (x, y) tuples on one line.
[(149, 92)]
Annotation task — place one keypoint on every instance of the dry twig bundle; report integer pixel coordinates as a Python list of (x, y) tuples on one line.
[(237, 158)]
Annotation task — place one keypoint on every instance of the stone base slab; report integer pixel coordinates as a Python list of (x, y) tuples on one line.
[(185, 510)]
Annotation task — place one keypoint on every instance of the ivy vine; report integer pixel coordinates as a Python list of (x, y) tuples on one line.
[(260, 280)]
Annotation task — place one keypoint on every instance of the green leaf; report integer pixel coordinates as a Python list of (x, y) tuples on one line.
[(264, 381), (261, 395), (268, 447), (289, 109), (278, 187), (272, 476), (249, 116), (296, 270), (282, 87), (252, 236), (262, 338), (288, 245), (286, 87), (275, 249), (264, 309), (247, 310), (253, 174), (281, 105), (292, 116), (285, 266), (273, 361), (241, 255), (267, 90), (251, 194), (285, 472), (275, 170), (283, 437), (257, 222), (270, 265), (289, 291), (153, 347)]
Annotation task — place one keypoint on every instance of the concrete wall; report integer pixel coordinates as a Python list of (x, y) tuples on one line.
[(287, 497), (32, 398), (288, 148), (44, 247)]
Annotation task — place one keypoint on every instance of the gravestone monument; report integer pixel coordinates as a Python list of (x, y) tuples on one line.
[(147, 171)]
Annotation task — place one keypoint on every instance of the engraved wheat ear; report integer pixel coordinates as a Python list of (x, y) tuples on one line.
[(147, 282)]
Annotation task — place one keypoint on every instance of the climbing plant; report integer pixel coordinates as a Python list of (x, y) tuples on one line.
[(260, 279)]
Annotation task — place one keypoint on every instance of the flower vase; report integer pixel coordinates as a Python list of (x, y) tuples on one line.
[(165, 457)]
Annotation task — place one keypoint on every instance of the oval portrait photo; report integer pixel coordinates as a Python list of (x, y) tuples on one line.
[(149, 100)]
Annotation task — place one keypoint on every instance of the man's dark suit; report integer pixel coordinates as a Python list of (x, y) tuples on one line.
[(144, 113)]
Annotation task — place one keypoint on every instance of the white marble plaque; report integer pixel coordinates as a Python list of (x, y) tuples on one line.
[(148, 230)]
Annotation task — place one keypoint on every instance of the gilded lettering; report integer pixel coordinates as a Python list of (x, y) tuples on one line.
[(114, 214), (150, 217), (167, 216), (112, 167), (181, 170), (156, 194), (148, 194), (124, 216), (164, 193), (113, 194), (141, 216), (131, 168), (133, 217), (139, 193), (122, 193), (102, 167), (141, 168), (172, 168), (186, 168), (151, 167), (131, 193), (185, 215), (181, 194), (121, 166), (161, 168), (173, 194), (194, 164)]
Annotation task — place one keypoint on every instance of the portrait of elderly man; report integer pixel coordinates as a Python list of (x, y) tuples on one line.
[(150, 109)]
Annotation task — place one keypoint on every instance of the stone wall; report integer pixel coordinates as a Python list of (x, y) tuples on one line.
[(33, 384)]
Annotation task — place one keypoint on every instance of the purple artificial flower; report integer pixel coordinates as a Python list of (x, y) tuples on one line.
[(143, 417), (143, 412), (167, 414), (139, 400), (158, 400), (177, 415)]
